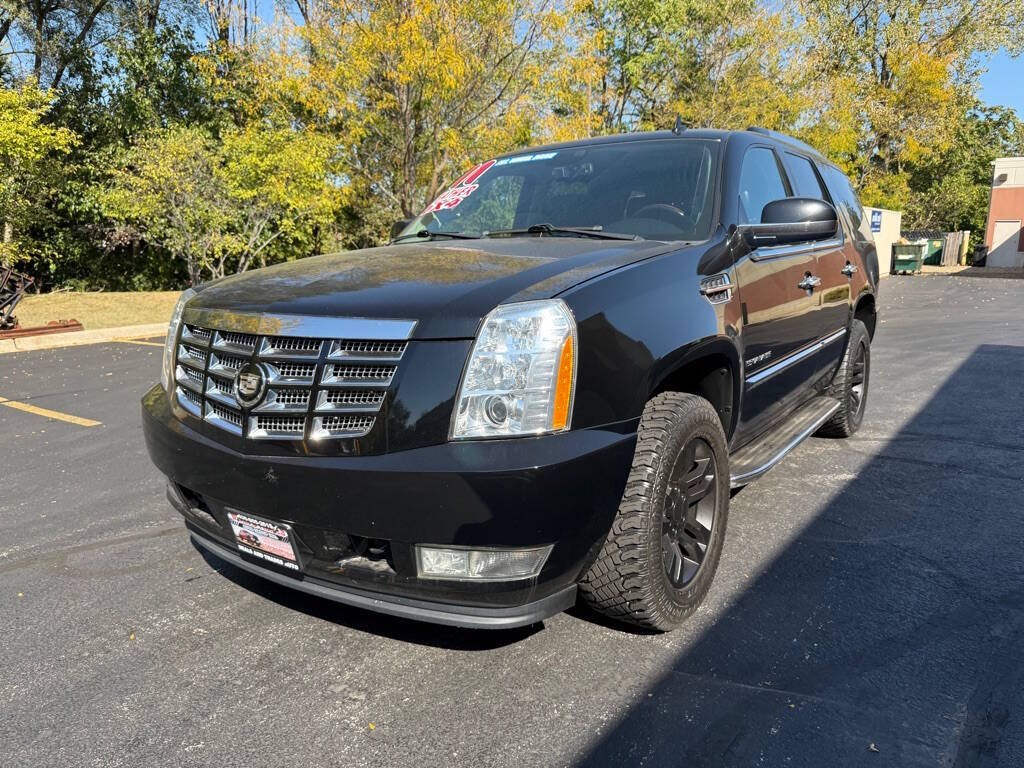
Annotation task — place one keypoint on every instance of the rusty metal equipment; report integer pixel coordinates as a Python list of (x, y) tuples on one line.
[(12, 287)]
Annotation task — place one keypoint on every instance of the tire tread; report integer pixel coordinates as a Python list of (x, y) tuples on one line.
[(618, 584)]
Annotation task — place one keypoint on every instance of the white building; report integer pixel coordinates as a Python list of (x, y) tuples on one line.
[(1003, 234)]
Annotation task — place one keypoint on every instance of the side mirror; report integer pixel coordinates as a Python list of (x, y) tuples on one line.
[(398, 226), (792, 220)]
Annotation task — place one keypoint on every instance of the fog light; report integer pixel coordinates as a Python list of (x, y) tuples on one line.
[(480, 564)]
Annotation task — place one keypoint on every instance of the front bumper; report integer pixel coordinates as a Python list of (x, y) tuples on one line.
[(557, 489)]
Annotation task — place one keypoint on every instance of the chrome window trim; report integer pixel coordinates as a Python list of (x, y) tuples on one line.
[(766, 373), (768, 252), (270, 324)]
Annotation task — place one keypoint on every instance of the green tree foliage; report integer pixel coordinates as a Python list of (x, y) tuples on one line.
[(180, 140), (903, 74), (951, 188), (415, 91), (220, 205), (29, 169), (166, 190)]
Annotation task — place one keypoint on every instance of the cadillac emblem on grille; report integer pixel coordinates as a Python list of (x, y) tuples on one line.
[(250, 384)]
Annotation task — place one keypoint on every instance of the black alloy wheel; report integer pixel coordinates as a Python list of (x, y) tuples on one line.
[(659, 557), (858, 380), (689, 512), (850, 384)]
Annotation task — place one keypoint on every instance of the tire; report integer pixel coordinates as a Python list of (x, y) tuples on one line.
[(653, 571), (850, 385)]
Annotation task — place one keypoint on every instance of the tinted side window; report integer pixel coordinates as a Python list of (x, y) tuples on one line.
[(804, 179), (846, 201), (760, 184)]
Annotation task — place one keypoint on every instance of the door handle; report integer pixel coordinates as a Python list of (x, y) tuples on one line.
[(849, 269), (809, 283)]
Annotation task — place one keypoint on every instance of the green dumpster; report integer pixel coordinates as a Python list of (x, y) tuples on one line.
[(908, 258), (933, 252)]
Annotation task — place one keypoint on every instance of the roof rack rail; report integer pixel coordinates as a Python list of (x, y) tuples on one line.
[(783, 137)]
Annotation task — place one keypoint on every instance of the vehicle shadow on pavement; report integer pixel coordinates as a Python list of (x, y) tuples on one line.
[(890, 630), (394, 628)]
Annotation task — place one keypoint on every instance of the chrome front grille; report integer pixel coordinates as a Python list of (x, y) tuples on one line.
[(316, 388)]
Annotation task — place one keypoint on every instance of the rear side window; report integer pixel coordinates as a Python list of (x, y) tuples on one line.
[(803, 177), (846, 201), (760, 183)]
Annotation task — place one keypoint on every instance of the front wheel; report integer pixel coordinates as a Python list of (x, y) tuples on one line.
[(658, 560)]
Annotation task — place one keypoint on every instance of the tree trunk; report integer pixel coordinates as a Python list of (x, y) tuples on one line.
[(8, 238)]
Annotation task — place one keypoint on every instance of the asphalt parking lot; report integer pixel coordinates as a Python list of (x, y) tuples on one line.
[(869, 610)]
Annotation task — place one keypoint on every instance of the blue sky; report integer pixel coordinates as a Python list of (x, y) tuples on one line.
[(1003, 84)]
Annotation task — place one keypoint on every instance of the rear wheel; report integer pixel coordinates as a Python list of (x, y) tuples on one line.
[(850, 386), (660, 556)]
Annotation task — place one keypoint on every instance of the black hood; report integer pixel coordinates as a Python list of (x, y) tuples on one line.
[(446, 286)]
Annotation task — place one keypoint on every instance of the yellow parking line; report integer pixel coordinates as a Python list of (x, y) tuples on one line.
[(136, 341), (50, 414)]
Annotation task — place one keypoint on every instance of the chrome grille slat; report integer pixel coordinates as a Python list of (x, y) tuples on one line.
[(225, 418), (190, 401), (341, 426), (229, 341), (192, 356), (189, 378), (285, 400), (371, 351), (225, 364), (196, 335), (321, 388), (371, 375), (291, 373), (290, 348), (338, 399), (270, 427), (221, 391)]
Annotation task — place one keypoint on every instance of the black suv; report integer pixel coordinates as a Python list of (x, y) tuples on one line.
[(545, 386)]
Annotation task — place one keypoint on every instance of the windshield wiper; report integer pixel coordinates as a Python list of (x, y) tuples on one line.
[(551, 229), (426, 234)]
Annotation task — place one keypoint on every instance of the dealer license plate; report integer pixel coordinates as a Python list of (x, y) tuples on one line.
[(264, 539)]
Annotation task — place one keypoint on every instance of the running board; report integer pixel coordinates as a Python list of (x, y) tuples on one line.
[(757, 457)]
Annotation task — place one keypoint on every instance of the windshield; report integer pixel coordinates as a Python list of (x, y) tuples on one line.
[(656, 190)]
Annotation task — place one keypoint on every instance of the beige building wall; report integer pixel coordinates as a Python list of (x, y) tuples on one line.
[(886, 236)]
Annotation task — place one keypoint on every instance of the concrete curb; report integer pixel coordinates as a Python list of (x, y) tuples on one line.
[(78, 338)]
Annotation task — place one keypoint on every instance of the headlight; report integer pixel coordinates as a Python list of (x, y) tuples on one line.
[(521, 373), (167, 373)]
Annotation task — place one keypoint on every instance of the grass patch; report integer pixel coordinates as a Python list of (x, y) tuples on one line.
[(98, 310)]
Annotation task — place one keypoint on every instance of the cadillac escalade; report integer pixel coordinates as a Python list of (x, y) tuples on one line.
[(545, 388)]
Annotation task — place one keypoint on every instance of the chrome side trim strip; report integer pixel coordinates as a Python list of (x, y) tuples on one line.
[(799, 249), (766, 373), (269, 324), (738, 481)]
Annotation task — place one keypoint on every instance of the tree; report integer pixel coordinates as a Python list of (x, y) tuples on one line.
[(950, 191), (907, 71), (645, 60), (219, 205), (58, 35), (28, 148), (277, 180), (414, 91), (166, 189)]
